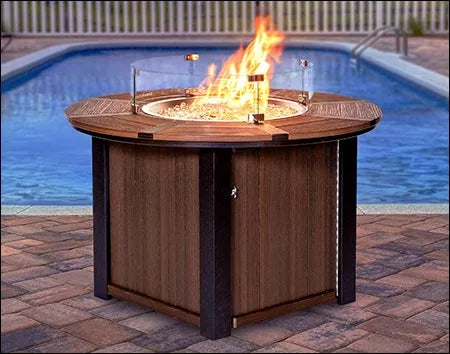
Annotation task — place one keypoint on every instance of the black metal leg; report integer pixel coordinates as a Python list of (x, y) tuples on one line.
[(215, 243), (100, 187), (347, 221)]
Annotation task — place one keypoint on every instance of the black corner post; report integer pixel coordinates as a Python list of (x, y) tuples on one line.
[(215, 242), (100, 188), (347, 221)]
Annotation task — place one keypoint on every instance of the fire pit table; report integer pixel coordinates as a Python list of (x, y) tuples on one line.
[(224, 223)]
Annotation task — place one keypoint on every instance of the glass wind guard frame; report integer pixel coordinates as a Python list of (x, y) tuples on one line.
[(201, 95)]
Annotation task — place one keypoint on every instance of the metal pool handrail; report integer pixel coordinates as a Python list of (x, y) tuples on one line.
[(375, 35)]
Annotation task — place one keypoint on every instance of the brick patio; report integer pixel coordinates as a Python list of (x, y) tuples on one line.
[(48, 306)]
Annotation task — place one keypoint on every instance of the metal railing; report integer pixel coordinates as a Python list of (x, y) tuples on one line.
[(187, 18), (400, 35)]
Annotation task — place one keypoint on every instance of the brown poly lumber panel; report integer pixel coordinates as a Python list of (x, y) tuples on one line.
[(99, 107), (284, 225), (154, 217), (320, 128), (213, 131), (330, 116), (359, 110)]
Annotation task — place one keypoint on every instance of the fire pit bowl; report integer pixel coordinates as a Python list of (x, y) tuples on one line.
[(224, 223), (287, 108)]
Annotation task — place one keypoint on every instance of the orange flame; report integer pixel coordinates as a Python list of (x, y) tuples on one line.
[(232, 85)]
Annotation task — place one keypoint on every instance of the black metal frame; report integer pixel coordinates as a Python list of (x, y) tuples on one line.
[(215, 242), (347, 221), (100, 188)]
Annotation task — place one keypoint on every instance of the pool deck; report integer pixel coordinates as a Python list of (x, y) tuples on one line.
[(429, 52), (48, 306)]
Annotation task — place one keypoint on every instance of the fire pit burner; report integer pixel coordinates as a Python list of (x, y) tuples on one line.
[(182, 108)]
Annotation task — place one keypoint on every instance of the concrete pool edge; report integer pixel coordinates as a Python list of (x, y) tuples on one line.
[(362, 209), (391, 62)]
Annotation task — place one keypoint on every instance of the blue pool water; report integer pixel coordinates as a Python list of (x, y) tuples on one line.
[(45, 161)]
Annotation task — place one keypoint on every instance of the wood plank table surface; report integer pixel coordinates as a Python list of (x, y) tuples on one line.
[(329, 117)]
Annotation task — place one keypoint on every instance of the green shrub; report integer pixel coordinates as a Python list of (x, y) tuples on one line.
[(415, 27)]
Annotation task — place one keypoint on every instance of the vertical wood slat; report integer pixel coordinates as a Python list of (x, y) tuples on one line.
[(199, 16), (325, 17), (180, 14), (153, 16), (262, 8), (298, 28), (343, 16), (415, 9), (316, 16), (98, 17), (125, 17), (442, 17), (117, 28), (171, 17), (208, 16), (161, 5), (107, 9), (289, 16), (16, 16), (235, 17), (144, 26), (307, 14), (361, 16), (225, 17), (388, 13), (405, 15), (25, 28), (217, 16), (34, 22), (44, 17), (280, 19), (6, 15), (397, 13), (424, 14), (433, 17), (334, 16), (70, 16), (89, 16), (62, 12), (79, 16), (352, 16), (379, 8), (244, 17), (189, 16), (135, 16), (370, 24), (53, 19)]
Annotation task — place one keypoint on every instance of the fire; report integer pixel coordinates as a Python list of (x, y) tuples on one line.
[(232, 85)]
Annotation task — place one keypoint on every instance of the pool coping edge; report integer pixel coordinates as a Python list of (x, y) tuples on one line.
[(391, 62), (362, 209)]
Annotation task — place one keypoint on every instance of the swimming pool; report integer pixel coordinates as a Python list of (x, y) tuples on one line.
[(46, 162)]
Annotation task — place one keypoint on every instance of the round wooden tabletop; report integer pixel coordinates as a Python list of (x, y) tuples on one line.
[(329, 117)]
